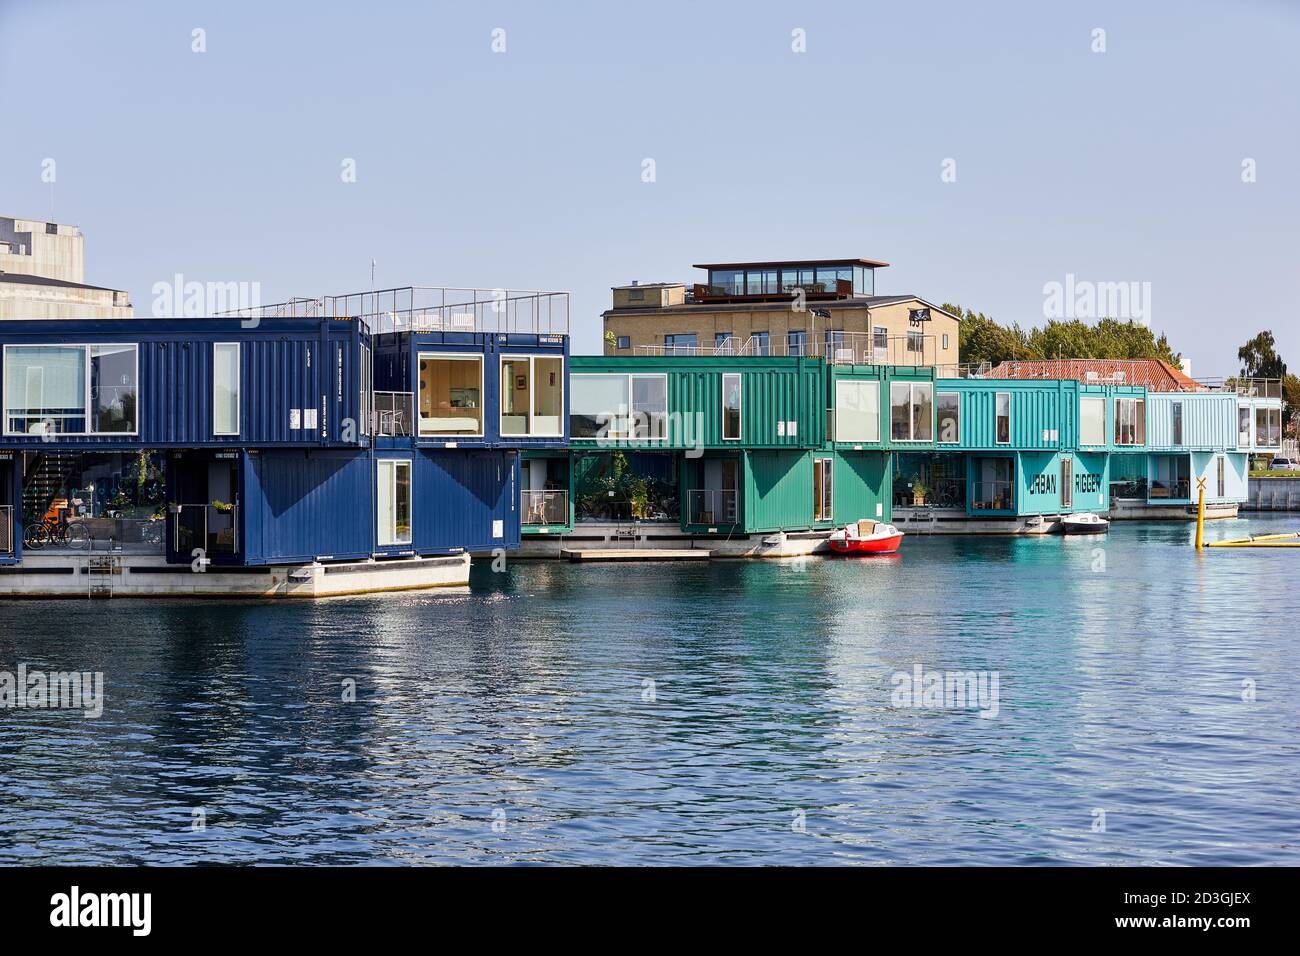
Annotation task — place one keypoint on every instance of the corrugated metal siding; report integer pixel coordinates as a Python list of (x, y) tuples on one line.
[(777, 494), (284, 365), (301, 505), (774, 393), (860, 486), (1037, 413), (458, 495), (1209, 421)]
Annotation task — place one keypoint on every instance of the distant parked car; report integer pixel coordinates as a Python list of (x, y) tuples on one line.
[(1284, 464)]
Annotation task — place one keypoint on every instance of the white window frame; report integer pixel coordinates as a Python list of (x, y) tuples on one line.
[(825, 464), (996, 416), (86, 416), (1221, 476), (381, 533), (1134, 403), (870, 383), (911, 416), (740, 411), (624, 415), (239, 386), (1091, 400), (1268, 411), (532, 396), (938, 432), (482, 395)]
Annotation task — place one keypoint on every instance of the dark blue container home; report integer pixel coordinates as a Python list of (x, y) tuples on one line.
[(252, 443)]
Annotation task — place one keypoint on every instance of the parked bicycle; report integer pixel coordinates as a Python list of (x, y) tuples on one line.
[(41, 531)]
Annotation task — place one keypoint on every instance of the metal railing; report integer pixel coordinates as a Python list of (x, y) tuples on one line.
[(431, 309), (964, 370), (214, 530), (711, 506), (992, 496), (392, 413), (838, 348), (6, 529), (544, 507)]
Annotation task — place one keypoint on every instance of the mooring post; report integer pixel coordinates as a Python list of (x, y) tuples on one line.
[(1200, 513)]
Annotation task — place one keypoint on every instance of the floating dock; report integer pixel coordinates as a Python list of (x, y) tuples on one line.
[(636, 554)]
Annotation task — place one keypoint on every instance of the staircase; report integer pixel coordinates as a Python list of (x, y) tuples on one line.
[(46, 478)]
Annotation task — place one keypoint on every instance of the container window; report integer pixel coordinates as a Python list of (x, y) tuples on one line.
[(823, 491), (71, 389), (1176, 423), (532, 396), (1067, 482), (225, 388), (1003, 436), (1222, 477), (1130, 421), (911, 411), (1092, 421), (598, 406), (1268, 427), (649, 406), (394, 503), (1243, 426), (948, 414), (731, 407), (451, 394), (857, 410)]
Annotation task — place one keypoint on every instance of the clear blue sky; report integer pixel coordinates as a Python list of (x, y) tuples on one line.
[(523, 169)]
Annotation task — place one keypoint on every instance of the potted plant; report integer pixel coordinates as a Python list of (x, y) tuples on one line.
[(224, 507), (918, 491)]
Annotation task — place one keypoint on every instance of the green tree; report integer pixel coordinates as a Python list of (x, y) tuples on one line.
[(981, 339), (1259, 358)]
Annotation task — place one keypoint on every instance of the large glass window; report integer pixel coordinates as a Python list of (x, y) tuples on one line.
[(1243, 426), (1003, 422), (393, 521), (600, 408), (911, 410), (731, 407), (1092, 421), (948, 415), (451, 394), (225, 388), (532, 396), (1130, 421), (857, 410), (679, 344), (728, 281), (71, 389), (796, 342), (823, 491), (1268, 427)]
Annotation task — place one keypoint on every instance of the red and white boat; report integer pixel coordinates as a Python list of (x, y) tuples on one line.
[(866, 537)]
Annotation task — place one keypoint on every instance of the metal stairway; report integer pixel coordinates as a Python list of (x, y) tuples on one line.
[(101, 570), (45, 479)]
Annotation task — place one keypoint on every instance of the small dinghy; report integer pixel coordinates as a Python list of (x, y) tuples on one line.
[(866, 537), (1084, 523)]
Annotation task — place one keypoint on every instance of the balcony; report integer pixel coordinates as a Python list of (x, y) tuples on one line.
[(1177, 490), (992, 496), (544, 507), (711, 506), (391, 414)]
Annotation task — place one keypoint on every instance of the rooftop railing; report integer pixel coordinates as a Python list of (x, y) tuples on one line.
[(838, 348), (432, 309)]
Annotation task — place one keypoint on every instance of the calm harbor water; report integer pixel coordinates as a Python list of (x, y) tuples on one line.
[(768, 735)]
